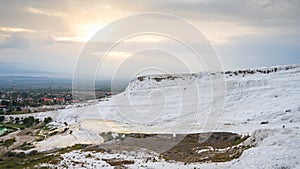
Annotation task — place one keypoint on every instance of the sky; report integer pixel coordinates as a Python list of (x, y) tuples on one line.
[(51, 35)]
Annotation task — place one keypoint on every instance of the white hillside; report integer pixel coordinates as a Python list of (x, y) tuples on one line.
[(179, 103), (263, 103)]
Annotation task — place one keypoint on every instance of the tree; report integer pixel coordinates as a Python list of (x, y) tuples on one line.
[(37, 121), (11, 119), (29, 121), (47, 120), (9, 142), (18, 109), (2, 118), (17, 120)]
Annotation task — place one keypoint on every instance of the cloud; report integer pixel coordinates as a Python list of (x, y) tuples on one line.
[(256, 13), (44, 12), (246, 33), (32, 15), (259, 51), (13, 30), (68, 39), (15, 42)]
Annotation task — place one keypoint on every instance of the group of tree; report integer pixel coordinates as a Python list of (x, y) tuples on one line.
[(27, 121)]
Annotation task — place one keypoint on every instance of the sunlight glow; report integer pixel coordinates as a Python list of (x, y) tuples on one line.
[(87, 31)]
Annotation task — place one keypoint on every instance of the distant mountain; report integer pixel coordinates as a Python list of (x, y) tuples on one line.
[(16, 69), (18, 76)]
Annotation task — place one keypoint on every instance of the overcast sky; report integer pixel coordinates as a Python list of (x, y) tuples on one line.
[(50, 35)]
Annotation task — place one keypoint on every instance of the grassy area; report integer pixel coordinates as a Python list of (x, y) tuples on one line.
[(20, 160), (26, 146), (27, 112), (48, 128), (18, 112), (26, 122), (240, 140), (187, 150), (12, 125)]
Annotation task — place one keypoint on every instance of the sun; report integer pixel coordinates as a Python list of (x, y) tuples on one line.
[(85, 32)]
